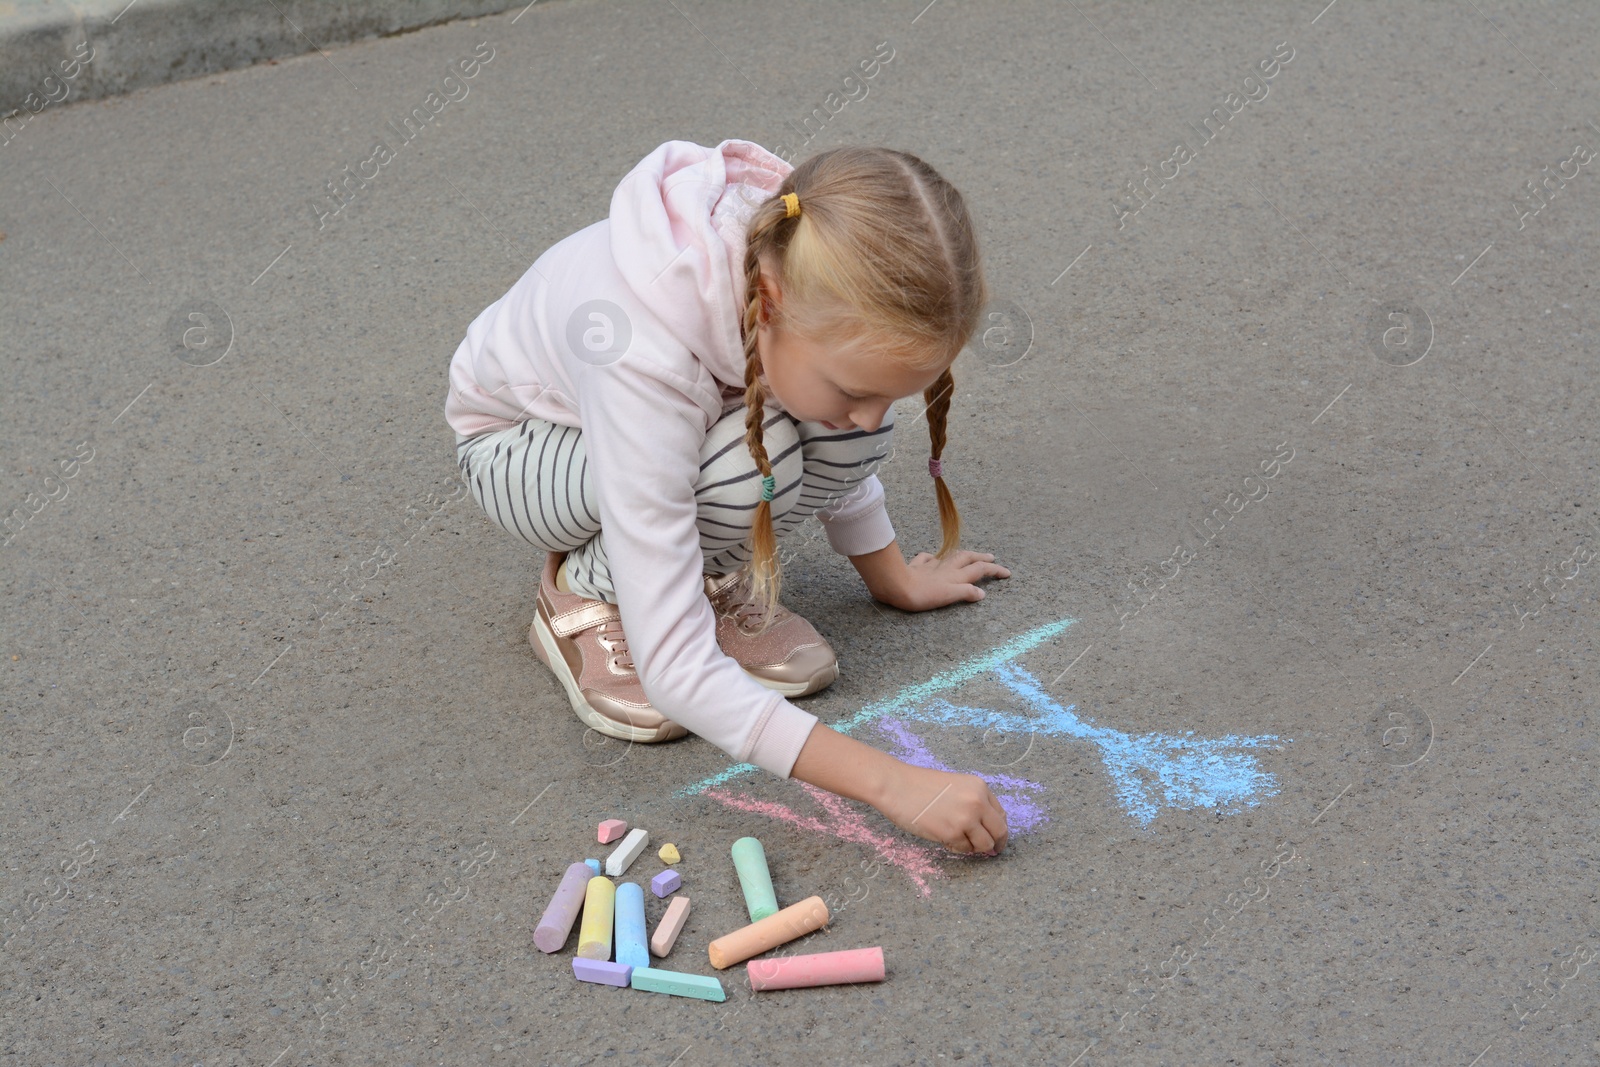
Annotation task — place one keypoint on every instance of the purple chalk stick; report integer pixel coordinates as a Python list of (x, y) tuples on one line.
[(665, 882), (562, 911), (601, 971)]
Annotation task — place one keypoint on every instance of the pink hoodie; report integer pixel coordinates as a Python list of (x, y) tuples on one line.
[(665, 276)]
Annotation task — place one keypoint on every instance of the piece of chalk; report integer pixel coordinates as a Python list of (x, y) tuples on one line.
[(602, 971), (562, 911), (623, 855), (665, 882), (750, 860), (699, 986), (796, 920), (612, 829), (593, 865), (820, 968), (631, 946), (669, 854), (599, 908), (670, 926)]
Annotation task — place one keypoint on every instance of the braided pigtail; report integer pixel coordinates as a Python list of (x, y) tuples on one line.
[(764, 567), (938, 397), (767, 575)]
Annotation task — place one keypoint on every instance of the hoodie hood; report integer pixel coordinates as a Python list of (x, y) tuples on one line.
[(679, 221)]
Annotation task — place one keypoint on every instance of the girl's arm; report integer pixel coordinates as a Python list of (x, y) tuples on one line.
[(927, 581), (956, 810)]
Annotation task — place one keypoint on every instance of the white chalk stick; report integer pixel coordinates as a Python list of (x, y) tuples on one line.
[(623, 855)]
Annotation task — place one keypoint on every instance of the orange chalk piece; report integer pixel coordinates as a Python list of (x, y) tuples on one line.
[(820, 968), (797, 920), (612, 829), (670, 926)]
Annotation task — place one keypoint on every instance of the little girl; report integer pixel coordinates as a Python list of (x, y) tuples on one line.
[(668, 390)]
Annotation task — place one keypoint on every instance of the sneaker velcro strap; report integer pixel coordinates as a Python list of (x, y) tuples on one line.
[(591, 614)]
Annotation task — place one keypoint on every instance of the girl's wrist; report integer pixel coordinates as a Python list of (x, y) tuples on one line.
[(884, 572), (840, 764)]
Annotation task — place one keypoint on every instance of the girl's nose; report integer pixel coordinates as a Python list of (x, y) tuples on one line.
[(869, 419)]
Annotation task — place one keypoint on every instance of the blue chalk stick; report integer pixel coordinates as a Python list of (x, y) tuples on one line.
[(602, 971), (665, 882), (594, 865), (633, 946)]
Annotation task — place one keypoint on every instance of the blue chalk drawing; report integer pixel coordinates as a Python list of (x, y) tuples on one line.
[(909, 697), (1192, 772), (1150, 771)]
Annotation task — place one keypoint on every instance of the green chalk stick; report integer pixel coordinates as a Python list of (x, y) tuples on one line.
[(678, 984), (750, 860)]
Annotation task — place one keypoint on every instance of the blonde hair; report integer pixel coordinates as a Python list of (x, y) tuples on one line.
[(883, 257)]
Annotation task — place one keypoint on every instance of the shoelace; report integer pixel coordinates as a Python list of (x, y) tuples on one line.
[(616, 643), (738, 602)]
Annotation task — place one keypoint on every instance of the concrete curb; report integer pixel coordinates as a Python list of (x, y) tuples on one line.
[(53, 51)]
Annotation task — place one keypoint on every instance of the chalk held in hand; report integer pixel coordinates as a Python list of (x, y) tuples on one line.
[(670, 926), (562, 911), (603, 972), (623, 855), (599, 905), (750, 860), (665, 882), (700, 986), (669, 854), (631, 948), (796, 920), (612, 829), (820, 968)]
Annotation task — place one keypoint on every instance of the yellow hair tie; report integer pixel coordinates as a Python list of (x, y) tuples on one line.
[(791, 205)]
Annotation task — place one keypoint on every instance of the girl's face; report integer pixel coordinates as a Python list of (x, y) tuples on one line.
[(820, 384)]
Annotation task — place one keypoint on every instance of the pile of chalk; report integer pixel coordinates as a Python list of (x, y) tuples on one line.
[(612, 949)]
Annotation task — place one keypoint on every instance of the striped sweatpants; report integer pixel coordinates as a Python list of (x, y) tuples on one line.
[(533, 479)]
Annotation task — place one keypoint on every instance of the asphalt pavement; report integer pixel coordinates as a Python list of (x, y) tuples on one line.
[(1284, 419)]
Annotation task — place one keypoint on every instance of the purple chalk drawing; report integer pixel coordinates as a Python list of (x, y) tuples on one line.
[(1023, 816)]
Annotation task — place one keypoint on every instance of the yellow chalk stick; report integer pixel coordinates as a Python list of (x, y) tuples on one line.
[(599, 911), (669, 854)]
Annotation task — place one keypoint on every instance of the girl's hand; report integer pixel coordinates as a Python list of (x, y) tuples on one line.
[(931, 582), (927, 581), (955, 810)]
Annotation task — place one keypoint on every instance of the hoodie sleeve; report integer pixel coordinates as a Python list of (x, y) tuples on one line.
[(644, 433), (859, 523)]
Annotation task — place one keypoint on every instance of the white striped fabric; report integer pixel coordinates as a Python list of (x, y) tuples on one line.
[(533, 479)]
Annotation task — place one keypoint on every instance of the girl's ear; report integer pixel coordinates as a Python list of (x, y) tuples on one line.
[(766, 301), (770, 298)]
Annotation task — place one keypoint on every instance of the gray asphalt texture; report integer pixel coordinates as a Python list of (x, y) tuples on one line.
[(284, 784)]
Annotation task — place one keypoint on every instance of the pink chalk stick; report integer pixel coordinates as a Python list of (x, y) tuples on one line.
[(665, 882), (602, 971), (820, 968), (612, 829), (670, 926), (562, 911)]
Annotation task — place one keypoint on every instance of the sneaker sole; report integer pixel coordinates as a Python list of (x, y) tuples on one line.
[(819, 681), (552, 657)]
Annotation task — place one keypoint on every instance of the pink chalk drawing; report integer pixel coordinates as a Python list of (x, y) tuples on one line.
[(845, 823)]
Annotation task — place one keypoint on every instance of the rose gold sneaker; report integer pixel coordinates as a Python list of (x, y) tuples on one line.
[(791, 657), (582, 642)]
